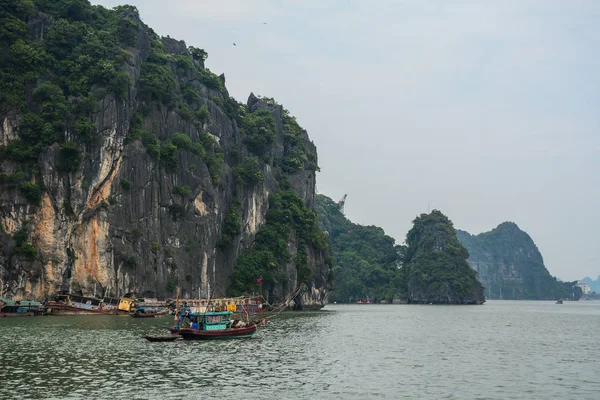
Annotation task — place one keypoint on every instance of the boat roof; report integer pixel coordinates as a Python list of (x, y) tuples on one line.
[(29, 303), (208, 313)]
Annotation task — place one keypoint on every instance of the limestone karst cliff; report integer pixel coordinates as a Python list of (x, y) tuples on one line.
[(510, 266), (125, 166), (435, 265)]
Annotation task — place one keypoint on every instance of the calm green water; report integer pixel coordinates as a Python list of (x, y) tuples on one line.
[(501, 350)]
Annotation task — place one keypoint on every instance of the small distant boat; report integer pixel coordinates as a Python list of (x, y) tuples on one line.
[(559, 301)]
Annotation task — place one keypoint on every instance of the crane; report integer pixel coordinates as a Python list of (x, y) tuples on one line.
[(342, 202)]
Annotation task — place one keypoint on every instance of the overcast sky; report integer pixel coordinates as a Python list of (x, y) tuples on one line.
[(486, 110)]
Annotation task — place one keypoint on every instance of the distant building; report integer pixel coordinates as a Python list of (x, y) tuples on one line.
[(585, 288)]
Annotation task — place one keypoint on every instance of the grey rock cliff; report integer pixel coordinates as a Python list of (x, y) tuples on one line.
[(116, 225)]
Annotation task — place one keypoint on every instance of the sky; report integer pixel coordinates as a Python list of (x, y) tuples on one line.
[(488, 111)]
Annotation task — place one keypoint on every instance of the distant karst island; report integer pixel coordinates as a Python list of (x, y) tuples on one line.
[(431, 269), (511, 267)]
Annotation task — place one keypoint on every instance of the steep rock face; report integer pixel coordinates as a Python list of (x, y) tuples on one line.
[(510, 265), (145, 209), (436, 269)]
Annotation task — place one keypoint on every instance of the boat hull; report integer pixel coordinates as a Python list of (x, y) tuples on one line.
[(232, 333), (24, 314), (151, 338), (63, 309)]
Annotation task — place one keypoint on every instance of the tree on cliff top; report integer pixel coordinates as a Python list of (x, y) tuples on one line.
[(436, 268)]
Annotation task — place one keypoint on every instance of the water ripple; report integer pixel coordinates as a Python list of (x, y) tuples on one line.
[(501, 350)]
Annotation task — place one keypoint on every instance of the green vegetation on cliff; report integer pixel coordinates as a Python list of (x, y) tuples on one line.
[(287, 215), (366, 260), (53, 77), (436, 268), (511, 267), (59, 58), (431, 268), (283, 244)]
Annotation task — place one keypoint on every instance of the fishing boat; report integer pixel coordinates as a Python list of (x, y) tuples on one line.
[(218, 325), (202, 321), (19, 308), (68, 304), (150, 305)]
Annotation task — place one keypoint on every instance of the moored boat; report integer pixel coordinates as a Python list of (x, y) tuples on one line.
[(217, 325), (19, 308), (148, 305), (68, 304), (229, 333)]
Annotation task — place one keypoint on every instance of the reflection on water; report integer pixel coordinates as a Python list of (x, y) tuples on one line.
[(496, 351)]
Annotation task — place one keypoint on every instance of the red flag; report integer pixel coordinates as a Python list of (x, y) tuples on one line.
[(259, 280)]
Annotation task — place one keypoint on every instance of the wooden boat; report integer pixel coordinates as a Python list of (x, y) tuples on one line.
[(17, 314), (19, 308), (213, 325), (150, 305), (204, 323), (211, 334), (154, 338), (68, 304)]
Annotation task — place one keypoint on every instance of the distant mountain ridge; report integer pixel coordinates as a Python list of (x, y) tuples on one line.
[(594, 284), (510, 266)]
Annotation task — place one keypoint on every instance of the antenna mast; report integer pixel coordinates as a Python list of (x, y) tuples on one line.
[(342, 202)]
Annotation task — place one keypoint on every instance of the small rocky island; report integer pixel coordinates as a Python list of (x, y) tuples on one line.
[(435, 269), (511, 267)]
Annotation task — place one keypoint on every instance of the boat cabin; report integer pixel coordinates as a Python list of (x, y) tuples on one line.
[(126, 304), (214, 321), (85, 303), (209, 321), (18, 306)]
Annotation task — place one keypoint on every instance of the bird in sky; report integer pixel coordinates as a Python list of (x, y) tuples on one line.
[(234, 44)]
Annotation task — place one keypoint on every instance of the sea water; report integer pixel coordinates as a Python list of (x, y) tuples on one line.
[(500, 350)]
